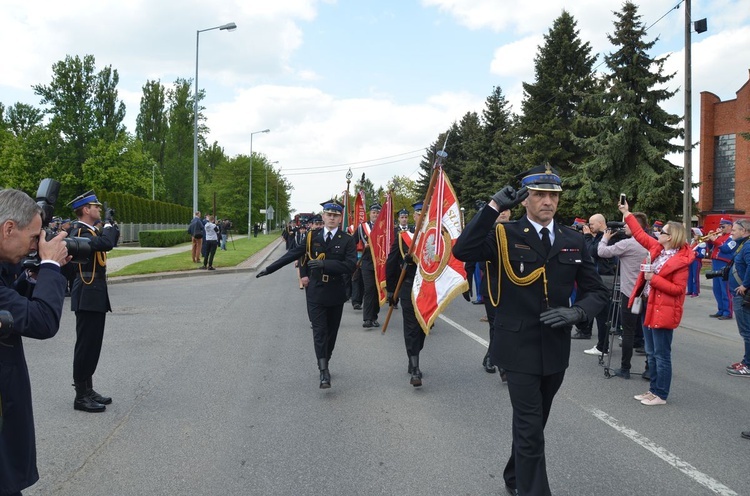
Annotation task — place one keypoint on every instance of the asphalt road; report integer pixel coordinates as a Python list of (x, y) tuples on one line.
[(215, 390)]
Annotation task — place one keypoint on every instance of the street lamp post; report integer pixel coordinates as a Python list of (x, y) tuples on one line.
[(250, 187), (153, 183), (224, 27), (276, 205), (265, 225)]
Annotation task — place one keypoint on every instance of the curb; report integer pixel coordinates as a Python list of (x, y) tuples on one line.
[(249, 265)]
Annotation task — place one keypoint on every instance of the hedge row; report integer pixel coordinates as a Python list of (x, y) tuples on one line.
[(161, 239), (131, 208)]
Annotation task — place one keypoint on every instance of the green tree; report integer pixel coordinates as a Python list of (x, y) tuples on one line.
[(404, 192), (178, 154), (628, 152), (83, 106), (563, 76), (120, 165), (152, 125)]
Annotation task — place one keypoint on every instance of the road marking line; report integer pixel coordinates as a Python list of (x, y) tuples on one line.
[(461, 328), (672, 459)]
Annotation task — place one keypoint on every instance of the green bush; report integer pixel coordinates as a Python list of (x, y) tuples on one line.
[(161, 239)]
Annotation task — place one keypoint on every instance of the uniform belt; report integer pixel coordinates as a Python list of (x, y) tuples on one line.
[(328, 278)]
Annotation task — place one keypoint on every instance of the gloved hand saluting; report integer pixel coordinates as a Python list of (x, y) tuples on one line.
[(508, 197), (562, 316), (262, 273), (316, 264)]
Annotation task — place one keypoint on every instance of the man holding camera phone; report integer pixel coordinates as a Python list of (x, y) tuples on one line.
[(89, 298), (37, 317)]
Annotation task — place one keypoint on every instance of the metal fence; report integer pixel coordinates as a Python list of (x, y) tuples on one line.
[(129, 232)]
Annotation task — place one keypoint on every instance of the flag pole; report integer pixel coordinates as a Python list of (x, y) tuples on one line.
[(439, 159)]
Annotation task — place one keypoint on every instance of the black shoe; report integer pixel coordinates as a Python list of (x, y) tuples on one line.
[(724, 317), (416, 374), (487, 364), (211, 268), (83, 400), (580, 335), (624, 373), (511, 490), (367, 323), (715, 315), (375, 323), (639, 351), (646, 375), (477, 302), (104, 400), (325, 379), (745, 434), (356, 306)]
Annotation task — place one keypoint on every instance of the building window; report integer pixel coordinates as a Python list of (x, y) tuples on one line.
[(724, 159)]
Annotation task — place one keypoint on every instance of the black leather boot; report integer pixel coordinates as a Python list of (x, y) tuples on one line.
[(83, 400), (487, 363), (325, 376), (104, 400), (416, 374)]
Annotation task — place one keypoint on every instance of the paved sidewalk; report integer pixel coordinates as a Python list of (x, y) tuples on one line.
[(249, 265)]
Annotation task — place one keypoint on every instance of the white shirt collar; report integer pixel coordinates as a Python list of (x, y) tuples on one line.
[(550, 227)]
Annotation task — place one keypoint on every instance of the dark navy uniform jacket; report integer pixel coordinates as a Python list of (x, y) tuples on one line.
[(521, 342), (327, 287), (89, 292), (38, 317)]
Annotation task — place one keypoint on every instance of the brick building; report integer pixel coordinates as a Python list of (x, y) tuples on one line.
[(725, 154)]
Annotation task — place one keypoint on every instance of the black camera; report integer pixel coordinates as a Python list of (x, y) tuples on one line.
[(46, 197), (615, 226), (723, 273)]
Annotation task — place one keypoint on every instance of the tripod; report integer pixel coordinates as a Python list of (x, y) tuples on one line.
[(613, 321), (229, 235)]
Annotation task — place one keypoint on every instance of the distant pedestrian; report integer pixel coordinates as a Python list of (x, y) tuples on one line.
[(212, 242), (196, 232)]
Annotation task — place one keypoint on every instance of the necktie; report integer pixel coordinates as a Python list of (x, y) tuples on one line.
[(328, 237), (545, 239)]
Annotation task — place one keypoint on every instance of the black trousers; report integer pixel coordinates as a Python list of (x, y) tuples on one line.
[(88, 347), (325, 324), (208, 258), (490, 310), (370, 300), (357, 287), (413, 333), (531, 397)]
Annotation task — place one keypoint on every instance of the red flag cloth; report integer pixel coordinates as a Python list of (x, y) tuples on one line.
[(440, 277), (381, 238)]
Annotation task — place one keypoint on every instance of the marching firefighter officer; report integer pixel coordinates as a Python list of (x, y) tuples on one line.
[(328, 259), (398, 259)]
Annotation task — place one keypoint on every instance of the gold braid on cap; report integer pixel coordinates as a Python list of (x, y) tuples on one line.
[(504, 262)]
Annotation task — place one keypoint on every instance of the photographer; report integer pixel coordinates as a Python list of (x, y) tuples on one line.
[(593, 233), (739, 282), (630, 254), (89, 298), (36, 316)]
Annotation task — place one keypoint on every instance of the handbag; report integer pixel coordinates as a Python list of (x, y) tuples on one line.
[(637, 305)]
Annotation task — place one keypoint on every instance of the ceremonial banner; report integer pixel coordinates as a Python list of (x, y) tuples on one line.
[(358, 218), (381, 238), (440, 277)]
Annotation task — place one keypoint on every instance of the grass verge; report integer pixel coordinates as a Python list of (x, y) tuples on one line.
[(124, 253), (237, 252)]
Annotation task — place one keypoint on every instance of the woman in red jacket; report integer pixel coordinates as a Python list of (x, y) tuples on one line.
[(663, 291)]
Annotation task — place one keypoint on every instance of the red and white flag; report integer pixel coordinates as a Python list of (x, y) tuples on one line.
[(358, 218), (381, 238), (440, 277)]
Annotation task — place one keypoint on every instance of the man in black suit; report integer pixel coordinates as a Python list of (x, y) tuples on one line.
[(329, 257), (398, 259), (541, 261), (89, 298), (35, 314)]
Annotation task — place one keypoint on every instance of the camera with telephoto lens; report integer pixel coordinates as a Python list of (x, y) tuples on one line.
[(723, 273), (78, 248), (616, 227), (6, 320)]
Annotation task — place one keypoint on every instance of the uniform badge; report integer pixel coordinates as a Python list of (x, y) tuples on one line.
[(521, 268), (526, 229)]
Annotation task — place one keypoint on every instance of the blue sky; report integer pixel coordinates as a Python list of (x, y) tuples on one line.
[(346, 82)]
